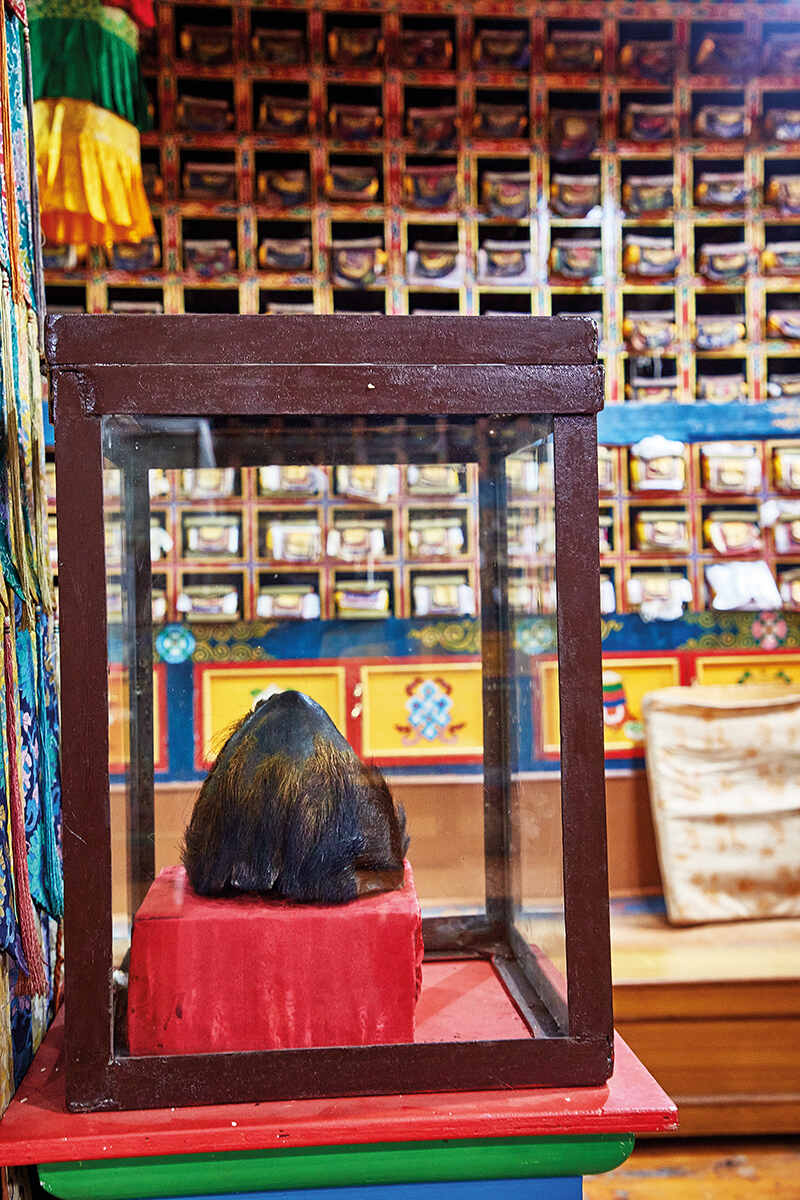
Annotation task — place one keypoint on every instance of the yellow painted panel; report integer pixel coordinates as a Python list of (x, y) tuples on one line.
[(227, 693), (625, 682), (748, 668), (119, 716), (159, 714), (429, 711)]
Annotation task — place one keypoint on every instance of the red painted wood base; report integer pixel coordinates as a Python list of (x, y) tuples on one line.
[(248, 973), (36, 1127)]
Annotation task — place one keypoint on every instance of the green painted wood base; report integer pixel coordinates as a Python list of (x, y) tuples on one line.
[(335, 1166)]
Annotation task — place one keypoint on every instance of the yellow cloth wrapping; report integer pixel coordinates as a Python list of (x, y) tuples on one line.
[(90, 175), (723, 764)]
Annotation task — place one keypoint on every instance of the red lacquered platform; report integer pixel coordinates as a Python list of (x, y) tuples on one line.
[(248, 973), (36, 1127)]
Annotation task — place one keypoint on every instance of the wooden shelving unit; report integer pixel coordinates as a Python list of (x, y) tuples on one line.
[(625, 559), (257, 565), (398, 223)]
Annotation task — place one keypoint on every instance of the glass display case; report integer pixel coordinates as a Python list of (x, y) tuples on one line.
[(170, 998)]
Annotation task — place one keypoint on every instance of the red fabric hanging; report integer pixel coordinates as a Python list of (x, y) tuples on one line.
[(17, 7), (140, 11)]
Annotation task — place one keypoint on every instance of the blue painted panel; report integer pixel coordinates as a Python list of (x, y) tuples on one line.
[(480, 1189), (49, 431), (622, 634), (623, 424)]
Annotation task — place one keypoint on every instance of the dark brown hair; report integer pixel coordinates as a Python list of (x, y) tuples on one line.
[(288, 808)]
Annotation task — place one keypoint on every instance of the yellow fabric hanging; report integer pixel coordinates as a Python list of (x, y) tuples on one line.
[(6, 1047), (90, 175)]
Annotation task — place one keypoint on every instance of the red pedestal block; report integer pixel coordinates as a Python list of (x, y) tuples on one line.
[(249, 973)]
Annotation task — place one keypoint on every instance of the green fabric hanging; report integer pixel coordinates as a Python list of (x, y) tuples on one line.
[(84, 51)]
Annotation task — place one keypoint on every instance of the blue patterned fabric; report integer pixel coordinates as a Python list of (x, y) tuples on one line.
[(29, 1016), (21, 1028), (5, 255), (50, 770), (22, 400), (6, 561), (40, 780), (23, 1018), (9, 930), (19, 138), (30, 756)]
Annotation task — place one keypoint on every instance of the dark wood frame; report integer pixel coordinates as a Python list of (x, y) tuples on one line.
[(321, 367)]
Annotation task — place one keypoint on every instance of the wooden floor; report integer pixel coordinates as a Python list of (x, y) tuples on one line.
[(753, 1169)]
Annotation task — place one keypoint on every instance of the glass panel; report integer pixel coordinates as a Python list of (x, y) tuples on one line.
[(118, 703), (535, 791), (340, 559)]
